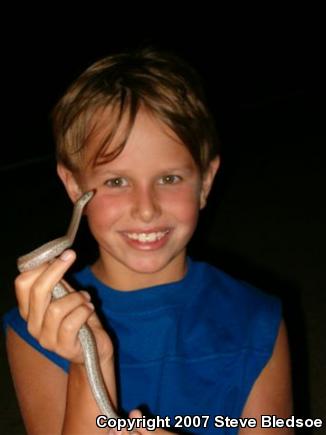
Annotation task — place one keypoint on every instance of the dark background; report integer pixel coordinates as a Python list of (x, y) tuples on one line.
[(265, 222)]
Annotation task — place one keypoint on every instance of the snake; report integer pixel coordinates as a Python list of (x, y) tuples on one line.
[(47, 253)]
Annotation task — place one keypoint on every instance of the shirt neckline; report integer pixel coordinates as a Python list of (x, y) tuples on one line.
[(145, 299)]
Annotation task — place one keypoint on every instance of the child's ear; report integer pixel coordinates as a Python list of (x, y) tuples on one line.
[(208, 179), (69, 181)]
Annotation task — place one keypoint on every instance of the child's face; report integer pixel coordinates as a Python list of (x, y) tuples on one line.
[(147, 201)]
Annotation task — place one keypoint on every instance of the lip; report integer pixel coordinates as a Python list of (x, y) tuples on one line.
[(146, 231), (147, 246)]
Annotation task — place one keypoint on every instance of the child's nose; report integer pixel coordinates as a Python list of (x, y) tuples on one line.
[(146, 206)]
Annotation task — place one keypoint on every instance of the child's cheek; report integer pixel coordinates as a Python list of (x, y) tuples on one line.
[(104, 210), (182, 201)]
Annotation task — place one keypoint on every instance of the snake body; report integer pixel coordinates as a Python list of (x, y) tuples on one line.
[(48, 252)]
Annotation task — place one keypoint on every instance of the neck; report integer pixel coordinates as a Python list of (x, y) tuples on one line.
[(119, 277)]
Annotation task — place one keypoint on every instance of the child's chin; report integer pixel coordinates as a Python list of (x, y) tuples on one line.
[(148, 265)]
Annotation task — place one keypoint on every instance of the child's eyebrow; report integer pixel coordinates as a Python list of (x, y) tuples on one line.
[(186, 169)]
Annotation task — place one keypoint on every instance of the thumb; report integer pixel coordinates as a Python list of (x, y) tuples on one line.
[(135, 413)]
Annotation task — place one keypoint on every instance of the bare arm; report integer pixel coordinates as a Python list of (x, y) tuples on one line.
[(55, 325), (39, 384), (271, 393), (52, 402), (81, 399)]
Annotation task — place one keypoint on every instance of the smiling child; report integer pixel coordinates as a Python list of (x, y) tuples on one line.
[(176, 337)]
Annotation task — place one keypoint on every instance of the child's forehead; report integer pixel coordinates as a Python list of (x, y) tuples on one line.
[(108, 119), (148, 135)]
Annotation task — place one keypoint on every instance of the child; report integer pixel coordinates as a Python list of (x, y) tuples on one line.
[(176, 337)]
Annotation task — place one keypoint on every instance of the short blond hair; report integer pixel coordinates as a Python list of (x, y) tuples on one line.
[(158, 80)]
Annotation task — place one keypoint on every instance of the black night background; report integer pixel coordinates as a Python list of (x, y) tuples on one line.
[(265, 222)]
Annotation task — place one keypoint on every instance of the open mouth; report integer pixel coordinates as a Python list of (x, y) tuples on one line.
[(147, 237), (151, 240)]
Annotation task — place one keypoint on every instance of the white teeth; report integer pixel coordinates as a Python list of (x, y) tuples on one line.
[(147, 237)]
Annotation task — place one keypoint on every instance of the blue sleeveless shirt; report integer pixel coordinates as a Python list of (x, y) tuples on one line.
[(190, 348)]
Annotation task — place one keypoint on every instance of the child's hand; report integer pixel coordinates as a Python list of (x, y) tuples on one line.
[(55, 323)]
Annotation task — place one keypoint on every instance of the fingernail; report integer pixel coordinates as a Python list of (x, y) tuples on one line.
[(86, 294), (66, 255), (90, 305)]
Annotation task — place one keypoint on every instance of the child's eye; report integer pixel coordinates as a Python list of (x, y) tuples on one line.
[(170, 179), (116, 182)]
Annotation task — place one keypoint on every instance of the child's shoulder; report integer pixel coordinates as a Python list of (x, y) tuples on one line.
[(242, 311), (221, 284)]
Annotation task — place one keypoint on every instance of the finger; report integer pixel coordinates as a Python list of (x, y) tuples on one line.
[(68, 286), (94, 321), (85, 294), (40, 293), (135, 413), (23, 284), (68, 339), (58, 310)]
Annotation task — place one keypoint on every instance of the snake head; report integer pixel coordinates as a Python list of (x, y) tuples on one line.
[(54, 248), (87, 196)]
